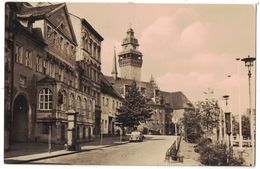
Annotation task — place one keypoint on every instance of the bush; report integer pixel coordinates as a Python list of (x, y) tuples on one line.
[(193, 137), (216, 155), (202, 143)]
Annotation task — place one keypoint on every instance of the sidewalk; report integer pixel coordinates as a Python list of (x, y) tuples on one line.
[(27, 152), (191, 158)]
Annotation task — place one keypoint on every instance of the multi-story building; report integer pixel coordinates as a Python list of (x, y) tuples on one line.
[(163, 108), (10, 17), (46, 77), (88, 58), (111, 100)]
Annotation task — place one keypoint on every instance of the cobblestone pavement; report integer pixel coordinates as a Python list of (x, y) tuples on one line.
[(24, 152), (149, 152), (112, 152)]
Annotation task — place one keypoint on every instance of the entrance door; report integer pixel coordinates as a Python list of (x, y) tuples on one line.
[(20, 119)]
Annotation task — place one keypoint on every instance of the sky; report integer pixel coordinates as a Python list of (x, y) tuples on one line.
[(188, 48)]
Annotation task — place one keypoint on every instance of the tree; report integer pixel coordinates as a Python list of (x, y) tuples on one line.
[(216, 155), (209, 111), (134, 110), (235, 126), (245, 126), (192, 124)]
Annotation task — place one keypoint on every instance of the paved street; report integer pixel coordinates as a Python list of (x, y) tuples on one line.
[(150, 152)]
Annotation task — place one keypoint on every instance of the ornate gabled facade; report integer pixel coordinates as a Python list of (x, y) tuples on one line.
[(88, 58), (46, 78)]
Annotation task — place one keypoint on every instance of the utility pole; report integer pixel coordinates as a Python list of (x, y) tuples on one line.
[(249, 63), (239, 113), (101, 133)]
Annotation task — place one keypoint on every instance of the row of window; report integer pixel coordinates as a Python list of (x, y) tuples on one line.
[(23, 56), (103, 124), (46, 102), (89, 45), (44, 66), (125, 89), (91, 73), (115, 104), (86, 131), (59, 41)]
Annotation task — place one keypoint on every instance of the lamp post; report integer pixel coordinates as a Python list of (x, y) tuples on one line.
[(101, 132), (249, 63), (228, 109), (50, 133), (239, 113), (228, 128), (174, 121)]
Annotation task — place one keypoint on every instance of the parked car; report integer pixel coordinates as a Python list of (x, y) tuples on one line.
[(136, 136)]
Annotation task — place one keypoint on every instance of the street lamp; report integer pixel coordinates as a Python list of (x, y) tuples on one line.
[(228, 128), (239, 113), (50, 133), (174, 121), (249, 63), (225, 97)]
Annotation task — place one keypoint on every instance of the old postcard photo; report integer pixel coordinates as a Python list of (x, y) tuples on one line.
[(164, 84)]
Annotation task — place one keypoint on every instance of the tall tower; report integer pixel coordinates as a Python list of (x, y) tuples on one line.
[(114, 68), (130, 59)]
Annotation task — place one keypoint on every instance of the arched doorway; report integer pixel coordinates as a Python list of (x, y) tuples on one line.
[(20, 119)]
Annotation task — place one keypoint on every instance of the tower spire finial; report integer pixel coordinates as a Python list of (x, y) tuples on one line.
[(114, 68)]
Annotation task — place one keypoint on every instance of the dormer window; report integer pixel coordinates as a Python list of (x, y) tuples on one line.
[(55, 38), (61, 43), (67, 48), (30, 26), (49, 32), (72, 51), (62, 26)]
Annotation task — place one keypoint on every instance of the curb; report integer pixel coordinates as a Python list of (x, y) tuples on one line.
[(58, 155)]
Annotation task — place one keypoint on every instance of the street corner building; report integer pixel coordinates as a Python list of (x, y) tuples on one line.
[(51, 67)]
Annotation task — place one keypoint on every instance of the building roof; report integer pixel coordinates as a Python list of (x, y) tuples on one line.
[(32, 13), (134, 51), (90, 27), (37, 12), (176, 100), (108, 89)]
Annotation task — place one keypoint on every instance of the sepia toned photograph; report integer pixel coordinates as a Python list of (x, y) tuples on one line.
[(133, 84)]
